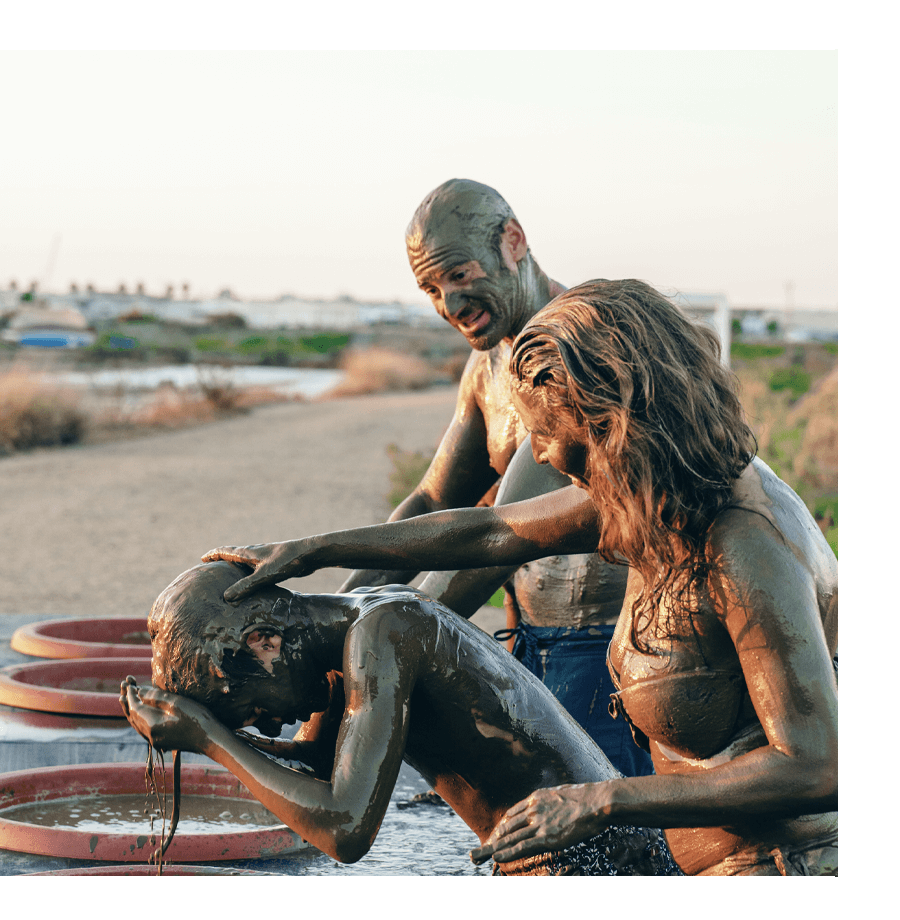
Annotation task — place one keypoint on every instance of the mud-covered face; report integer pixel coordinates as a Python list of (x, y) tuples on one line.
[(235, 658), (470, 286), (556, 436), (272, 701), (265, 644)]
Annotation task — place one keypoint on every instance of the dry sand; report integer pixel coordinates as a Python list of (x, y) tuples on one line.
[(101, 530)]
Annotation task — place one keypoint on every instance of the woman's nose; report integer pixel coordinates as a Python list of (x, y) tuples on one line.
[(538, 451)]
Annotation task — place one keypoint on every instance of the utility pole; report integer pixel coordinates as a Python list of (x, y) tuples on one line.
[(51, 261)]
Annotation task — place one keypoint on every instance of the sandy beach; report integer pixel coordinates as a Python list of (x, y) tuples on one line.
[(101, 530)]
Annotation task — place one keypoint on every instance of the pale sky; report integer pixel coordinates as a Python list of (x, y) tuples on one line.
[(297, 171)]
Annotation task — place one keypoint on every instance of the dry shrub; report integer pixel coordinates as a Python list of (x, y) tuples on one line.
[(36, 413), (766, 410), (248, 397), (170, 407), (454, 365), (379, 370), (797, 437), (218, 389), (817, 413)]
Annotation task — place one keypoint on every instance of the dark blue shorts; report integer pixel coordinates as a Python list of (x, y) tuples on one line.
[(572, 663)]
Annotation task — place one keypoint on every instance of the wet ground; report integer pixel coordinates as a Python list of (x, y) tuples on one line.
[(415, 839), (421, 839)]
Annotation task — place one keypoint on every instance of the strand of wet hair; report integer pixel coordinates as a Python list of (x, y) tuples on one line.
[(157, 855)]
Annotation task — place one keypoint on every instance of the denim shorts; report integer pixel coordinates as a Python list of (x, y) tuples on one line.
[(572, 664)]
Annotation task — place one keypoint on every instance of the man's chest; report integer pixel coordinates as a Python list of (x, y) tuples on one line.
[(504, 430)]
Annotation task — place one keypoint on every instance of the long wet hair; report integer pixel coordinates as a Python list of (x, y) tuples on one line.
[(666, 433)]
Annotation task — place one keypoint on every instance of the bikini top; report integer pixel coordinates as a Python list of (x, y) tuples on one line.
[(695, 712)]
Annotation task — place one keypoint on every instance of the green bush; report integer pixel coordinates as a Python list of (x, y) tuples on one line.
[(325, 342), (208, 343), (750, 351), (498, 599), (793, 378), (253, 344)]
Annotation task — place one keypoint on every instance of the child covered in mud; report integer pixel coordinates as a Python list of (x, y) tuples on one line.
[(377, 676)]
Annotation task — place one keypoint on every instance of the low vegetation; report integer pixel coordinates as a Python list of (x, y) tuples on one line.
[(788, 390), (790, 395), (34, 412), (137, 338), (383, 370)]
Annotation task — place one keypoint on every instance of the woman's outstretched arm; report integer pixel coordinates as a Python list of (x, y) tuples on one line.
[(562, 522)]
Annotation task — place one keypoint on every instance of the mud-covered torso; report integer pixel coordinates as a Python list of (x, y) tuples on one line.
[(492, 387), (579, 590), (686, 693), (483, 730)]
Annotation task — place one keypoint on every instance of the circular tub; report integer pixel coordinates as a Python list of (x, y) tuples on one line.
[(58, 791), (90, 637), (138, 869), (75, 686)]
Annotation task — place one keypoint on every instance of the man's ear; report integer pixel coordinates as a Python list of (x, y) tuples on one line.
[(513, 245), (264, 644)]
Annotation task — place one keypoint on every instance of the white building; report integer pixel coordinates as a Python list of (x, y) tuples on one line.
[(713, 310)]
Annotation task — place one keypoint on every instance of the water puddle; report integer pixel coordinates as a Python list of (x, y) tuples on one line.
[(309, 382)]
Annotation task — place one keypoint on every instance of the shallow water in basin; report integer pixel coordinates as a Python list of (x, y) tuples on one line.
[(417, 840), (130, 814)]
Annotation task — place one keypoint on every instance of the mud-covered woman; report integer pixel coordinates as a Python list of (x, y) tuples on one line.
[(723, 655), (376, 676)]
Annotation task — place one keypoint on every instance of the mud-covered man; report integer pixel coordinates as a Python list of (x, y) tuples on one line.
[(469, 254)]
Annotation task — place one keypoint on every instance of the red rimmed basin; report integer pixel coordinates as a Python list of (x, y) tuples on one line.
[(90, 637), (137, 869), (74, 686), (85, 784)]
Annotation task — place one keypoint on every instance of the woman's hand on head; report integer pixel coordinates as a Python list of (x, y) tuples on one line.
[(167, 721), (271, 563)]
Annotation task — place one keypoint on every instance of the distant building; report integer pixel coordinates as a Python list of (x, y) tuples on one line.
[(712, 309), (792, 325), (40, 326)]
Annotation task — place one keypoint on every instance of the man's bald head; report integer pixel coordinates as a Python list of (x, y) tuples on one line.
[(459, 209), (470, 256)]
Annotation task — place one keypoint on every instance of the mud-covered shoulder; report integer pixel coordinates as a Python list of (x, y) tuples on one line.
[(766, 509), (474, 377), (394, 620)]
